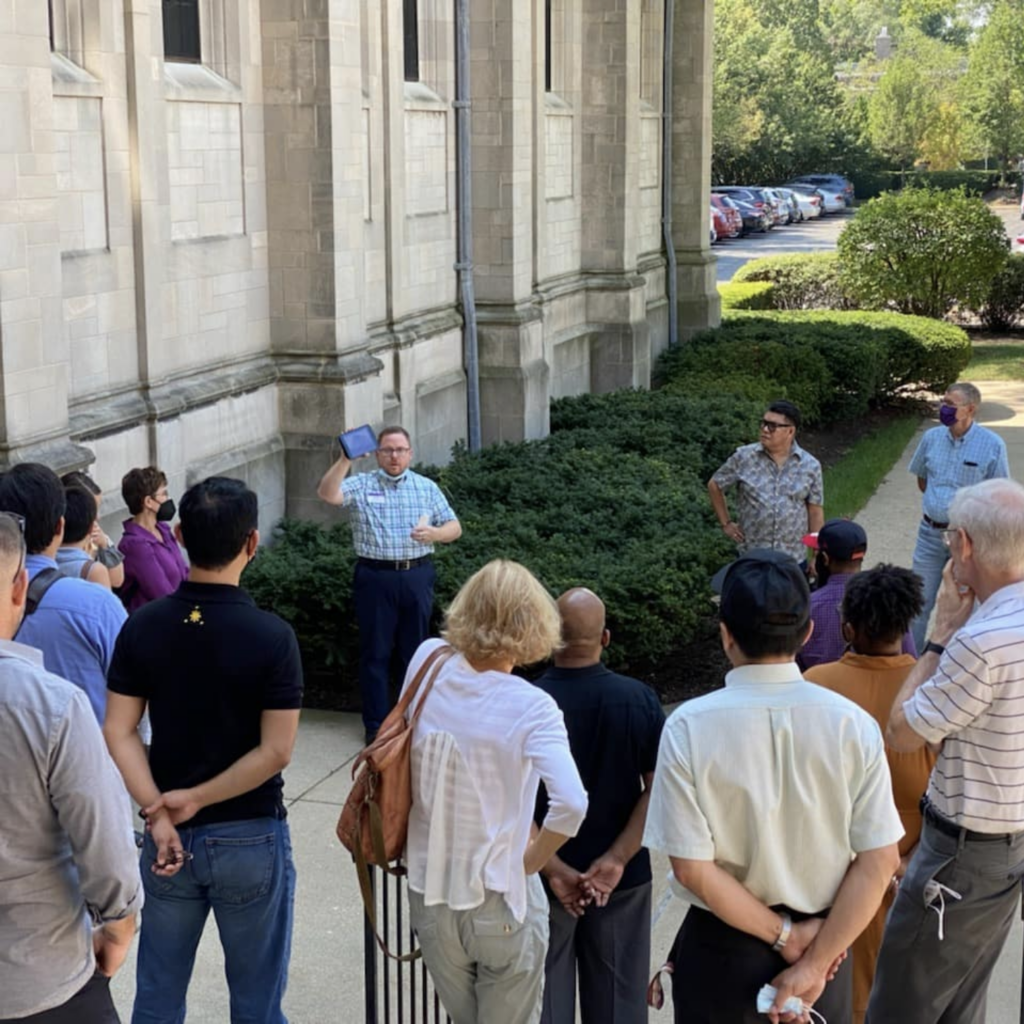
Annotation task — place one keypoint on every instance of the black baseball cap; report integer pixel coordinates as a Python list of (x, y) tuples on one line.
[(842, 539), (766, 590)]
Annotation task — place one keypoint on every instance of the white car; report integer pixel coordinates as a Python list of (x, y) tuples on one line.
[(809, 203), (831, 201)]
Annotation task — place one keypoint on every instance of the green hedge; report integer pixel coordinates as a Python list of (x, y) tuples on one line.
[(1004, 307), (834, 365), (747, 295), (799, 280), (978, 182)]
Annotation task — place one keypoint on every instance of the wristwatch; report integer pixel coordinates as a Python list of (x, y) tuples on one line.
[(787, 927), (934, 648)]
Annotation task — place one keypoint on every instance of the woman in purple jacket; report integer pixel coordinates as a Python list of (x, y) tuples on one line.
[(153, 564)]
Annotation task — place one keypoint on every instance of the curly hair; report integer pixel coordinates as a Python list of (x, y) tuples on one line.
[(881, 603), (503, 611)]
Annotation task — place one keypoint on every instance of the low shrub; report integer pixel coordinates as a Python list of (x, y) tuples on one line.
[(747, 295), (800, 280), (833, 364), (1005, 302), (868, 185), (921, 251)]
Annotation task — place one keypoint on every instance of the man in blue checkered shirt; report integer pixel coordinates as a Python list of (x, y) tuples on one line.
[(954, 455), (397, 517)]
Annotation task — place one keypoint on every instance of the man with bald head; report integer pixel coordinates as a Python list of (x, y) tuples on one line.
[(600, 881), (69, 870)]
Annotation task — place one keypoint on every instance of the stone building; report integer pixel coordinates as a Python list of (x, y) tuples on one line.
[(228, 227)]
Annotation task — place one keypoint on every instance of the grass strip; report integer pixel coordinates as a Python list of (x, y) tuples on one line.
[(996, 362), (856, 476)]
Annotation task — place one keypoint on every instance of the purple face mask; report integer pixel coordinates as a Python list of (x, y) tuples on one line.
[(947, 415)]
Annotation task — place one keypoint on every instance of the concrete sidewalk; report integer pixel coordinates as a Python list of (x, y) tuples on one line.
[(326, 979)]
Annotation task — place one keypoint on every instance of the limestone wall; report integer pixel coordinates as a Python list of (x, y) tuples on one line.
[(217, 266)]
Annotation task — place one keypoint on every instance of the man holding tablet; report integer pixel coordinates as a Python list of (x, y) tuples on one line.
[(397, 517)]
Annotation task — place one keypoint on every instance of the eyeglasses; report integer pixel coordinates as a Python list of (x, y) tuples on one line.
[(388, 452), (771, 426), (20, 520)]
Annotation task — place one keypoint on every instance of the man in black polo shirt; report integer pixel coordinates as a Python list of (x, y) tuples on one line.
[(600, 882), (223, 683)]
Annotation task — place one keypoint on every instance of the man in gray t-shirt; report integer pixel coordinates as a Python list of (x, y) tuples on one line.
[(69, 869)]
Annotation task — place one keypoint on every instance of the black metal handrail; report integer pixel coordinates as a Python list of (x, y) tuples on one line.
[(395, 992)]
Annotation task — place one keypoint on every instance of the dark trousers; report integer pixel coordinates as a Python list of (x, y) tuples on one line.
[(921, 978), (718, 971), (89, 1005), (611, 947), (393, 609)]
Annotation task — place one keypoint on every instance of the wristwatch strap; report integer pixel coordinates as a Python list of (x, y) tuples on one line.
[(934, 648)]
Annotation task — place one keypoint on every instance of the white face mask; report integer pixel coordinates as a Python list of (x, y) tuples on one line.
[(766, 997)]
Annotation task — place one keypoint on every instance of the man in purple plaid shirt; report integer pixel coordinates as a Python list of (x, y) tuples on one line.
[(841, 545)]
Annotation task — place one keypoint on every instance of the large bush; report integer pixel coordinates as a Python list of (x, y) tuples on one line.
[(1005, 301), (799, 281), (832, 364), (922, 251), (747, 295)]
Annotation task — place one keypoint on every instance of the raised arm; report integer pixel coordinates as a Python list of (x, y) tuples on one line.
[(329, 489)]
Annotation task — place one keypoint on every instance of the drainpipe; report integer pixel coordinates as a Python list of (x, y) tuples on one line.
[(464, 201), (672, 286)]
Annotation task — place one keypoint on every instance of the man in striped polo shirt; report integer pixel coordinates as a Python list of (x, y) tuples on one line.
[(397, 517), (957, 901)]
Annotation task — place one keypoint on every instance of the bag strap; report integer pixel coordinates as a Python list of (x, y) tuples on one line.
[(366, 891), (41, 583), (449, 653)]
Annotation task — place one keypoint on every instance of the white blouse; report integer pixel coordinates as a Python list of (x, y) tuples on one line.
[(481, 746)]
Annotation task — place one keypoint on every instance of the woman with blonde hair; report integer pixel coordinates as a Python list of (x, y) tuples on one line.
[(483, 742)]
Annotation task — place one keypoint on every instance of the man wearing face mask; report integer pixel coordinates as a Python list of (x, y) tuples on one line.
[(223, 682), (957, 454), (397, 517), (75, 623), (153, 566)]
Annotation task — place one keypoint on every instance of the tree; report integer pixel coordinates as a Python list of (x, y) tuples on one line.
[(922, 251), (993, 88), (901, 111)]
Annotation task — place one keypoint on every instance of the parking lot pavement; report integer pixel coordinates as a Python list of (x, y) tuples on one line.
[(817, 235)]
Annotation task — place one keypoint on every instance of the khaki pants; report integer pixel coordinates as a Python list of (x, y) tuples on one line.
[(486, 966)]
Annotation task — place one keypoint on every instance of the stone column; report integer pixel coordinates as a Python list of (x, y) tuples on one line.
[(620, 345), (513, 371), (693, 69), (36, 360), (314, 123)]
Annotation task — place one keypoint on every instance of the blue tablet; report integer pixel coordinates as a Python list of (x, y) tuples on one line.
[(360, 441)]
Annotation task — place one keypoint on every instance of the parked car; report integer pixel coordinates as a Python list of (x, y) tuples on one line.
[(754, 218), (733, 219), (780, 208), (713, 235), (808, 203), (835, 182), (831, 201), (748, 194), (795, 212)]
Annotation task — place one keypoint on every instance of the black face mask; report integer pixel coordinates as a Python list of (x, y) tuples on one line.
[(165, 513)]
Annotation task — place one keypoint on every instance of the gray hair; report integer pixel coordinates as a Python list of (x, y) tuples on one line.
[(992, 514), (969, 391), (12, 541)]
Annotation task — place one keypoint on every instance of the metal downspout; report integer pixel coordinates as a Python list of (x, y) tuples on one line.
[(672, 286), (464, 201)]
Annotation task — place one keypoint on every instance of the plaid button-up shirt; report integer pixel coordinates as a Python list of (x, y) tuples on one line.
[(771, 500), (383, 512)]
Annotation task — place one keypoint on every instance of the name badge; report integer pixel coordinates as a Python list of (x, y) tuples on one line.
[(377, 499)]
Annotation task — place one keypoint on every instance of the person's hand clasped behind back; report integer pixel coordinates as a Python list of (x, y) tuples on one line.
[(170, 855)]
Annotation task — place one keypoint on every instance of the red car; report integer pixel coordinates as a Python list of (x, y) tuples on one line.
[(728, 219)]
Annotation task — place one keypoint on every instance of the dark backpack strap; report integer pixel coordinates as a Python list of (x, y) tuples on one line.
[(41, 583)]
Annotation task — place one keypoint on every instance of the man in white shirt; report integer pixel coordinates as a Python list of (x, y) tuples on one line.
[(772, 799), (966, 693)]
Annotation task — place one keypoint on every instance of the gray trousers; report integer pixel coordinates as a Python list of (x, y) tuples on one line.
[(487, 967), (922, 979), (611, 947)]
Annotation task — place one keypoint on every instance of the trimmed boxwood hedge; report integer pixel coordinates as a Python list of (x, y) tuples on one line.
[(834, 365), (800, 280), (747, 295)]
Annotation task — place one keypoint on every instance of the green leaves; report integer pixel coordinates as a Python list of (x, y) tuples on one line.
[(922, 251)]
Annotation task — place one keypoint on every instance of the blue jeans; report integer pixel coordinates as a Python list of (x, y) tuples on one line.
[(243, 871), (930, 557)]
